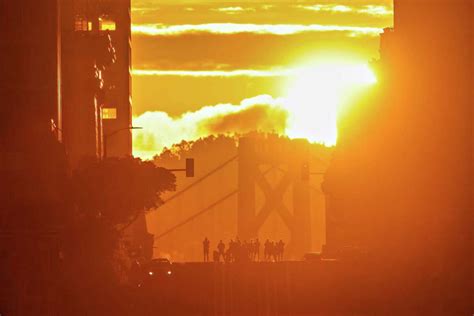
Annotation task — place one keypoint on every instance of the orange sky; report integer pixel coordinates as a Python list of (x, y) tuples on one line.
[(204, 53)]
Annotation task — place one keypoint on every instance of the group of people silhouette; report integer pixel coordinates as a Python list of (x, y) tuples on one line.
[(238, 251)]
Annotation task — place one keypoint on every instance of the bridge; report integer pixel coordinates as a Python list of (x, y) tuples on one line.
[(256, 158)]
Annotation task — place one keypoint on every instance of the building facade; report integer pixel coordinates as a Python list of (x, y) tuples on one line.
[(31, 83), (65, 68), (33, 163), (400, 184), (97, 82)]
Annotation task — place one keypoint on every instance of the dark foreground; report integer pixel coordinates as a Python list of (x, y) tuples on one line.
[(295, 288)]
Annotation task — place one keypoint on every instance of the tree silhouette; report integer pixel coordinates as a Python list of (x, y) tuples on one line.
[(107, 196), (117, 190)]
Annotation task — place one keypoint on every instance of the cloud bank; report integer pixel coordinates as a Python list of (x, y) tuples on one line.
[(376, 10), (262, 113), (236, 28), (234, 10), (213, 73)]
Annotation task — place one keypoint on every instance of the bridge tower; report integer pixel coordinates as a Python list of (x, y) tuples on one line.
[(291, 158)]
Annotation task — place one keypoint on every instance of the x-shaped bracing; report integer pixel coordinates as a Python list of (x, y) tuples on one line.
[(274, 200)]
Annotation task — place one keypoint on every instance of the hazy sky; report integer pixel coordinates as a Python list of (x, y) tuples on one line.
[(191, 54)]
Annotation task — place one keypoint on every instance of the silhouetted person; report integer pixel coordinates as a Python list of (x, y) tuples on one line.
[(205, 248), (227, 256), (257, 249), (266, 250), (215, 256), (273, 251), (248, 248), (221, 248), (231, 250), (280, 249), (252, 250), (245, 251), (237, 250)]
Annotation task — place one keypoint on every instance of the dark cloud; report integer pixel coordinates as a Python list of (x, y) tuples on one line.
[(244, 51), (196, 12), (260, 117)]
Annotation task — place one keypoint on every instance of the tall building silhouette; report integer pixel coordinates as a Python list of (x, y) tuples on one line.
[(400, 185), (33, 163), (31, 81), (67, 68), (96, 57), (62, 62)]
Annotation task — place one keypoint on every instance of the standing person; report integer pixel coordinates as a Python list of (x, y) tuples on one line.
[(227, 257), (231, 250), (266, 250), (281, 249), (215, 256), (205, 248), (252, 250), (221, 249), (273, 251), (247, 251), (257, 249), (238, 250)]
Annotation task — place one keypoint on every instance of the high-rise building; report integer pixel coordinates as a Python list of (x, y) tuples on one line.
[(97, 82), (401, 181), (33, 163), (97, 88), (30, 53)]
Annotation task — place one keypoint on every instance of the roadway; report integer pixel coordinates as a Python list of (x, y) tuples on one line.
[(326, 287)]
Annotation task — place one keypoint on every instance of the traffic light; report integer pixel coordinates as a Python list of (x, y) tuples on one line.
[(305, 172), (189, 167)]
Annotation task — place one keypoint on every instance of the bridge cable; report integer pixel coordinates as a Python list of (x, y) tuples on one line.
[(189, 219), (210, 173), (192, 217)]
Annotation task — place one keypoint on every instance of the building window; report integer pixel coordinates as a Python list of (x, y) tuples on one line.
[(109, 113), (82, 24), (106, 23)]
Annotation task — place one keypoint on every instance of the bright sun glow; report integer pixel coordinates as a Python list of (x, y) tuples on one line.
[(311, 102), (314, 97)]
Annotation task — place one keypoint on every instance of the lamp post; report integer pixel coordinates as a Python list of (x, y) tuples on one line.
[(106, 136)]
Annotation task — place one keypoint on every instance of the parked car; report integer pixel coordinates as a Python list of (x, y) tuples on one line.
[(158, 269)]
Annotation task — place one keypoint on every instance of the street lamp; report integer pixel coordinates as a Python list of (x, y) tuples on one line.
[(106, 136)]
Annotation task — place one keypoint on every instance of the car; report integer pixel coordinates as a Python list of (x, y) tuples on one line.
[(161, 261), (159, 268)]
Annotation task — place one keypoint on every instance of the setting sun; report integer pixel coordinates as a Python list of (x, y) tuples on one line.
[(314, 97), (207, 68), (306, 105)]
